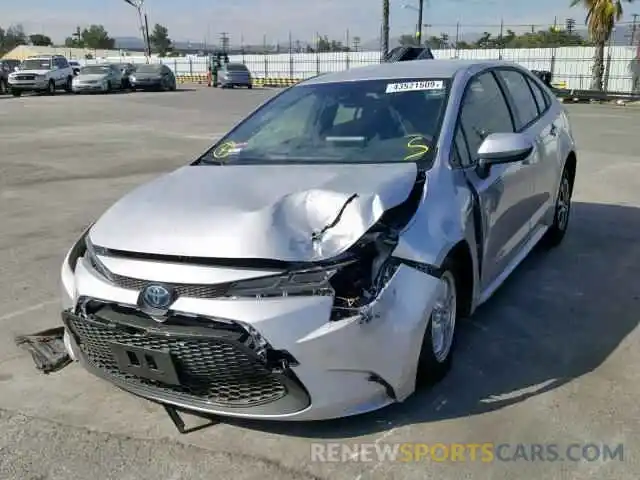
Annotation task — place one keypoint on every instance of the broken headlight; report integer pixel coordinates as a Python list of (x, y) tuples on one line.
[(78, 250), (309, 281), (92, 257)]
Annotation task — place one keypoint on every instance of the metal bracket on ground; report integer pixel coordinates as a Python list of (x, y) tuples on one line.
[(176, 418)]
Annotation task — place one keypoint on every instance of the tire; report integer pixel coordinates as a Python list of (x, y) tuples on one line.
[(68, 87), (438, 344), (558, 229), (16, 93), (4, 88), (250, 86), (51, 88), (109, 88)]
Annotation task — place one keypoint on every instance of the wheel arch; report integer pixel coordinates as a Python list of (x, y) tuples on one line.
[(460, 259)]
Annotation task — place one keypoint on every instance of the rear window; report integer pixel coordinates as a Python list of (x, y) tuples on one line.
[(236, 67), (374, 121)]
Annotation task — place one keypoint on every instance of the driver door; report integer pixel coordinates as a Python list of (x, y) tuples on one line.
[(504, 194)]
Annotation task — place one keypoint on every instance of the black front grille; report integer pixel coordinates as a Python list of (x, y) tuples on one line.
[(26, 77), (182, 289), (216, 370)]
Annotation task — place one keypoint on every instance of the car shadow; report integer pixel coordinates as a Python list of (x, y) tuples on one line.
[(558, 317)]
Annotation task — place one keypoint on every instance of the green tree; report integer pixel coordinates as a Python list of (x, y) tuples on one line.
[(326, 45), (602, 16), (160, 40), (40, 40), (408, 40), (385, 27), (11, 38), (95, 37)]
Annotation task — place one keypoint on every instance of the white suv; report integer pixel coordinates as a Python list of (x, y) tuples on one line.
[(44, 73)]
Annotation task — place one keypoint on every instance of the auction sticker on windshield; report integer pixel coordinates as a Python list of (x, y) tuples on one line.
[(415, 86)]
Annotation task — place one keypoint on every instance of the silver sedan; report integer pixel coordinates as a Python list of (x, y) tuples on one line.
[(315, 261), (102, 78)]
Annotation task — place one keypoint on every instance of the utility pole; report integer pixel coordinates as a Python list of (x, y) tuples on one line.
[(634, 28), (420, 12), (224, 41), (570, 25)]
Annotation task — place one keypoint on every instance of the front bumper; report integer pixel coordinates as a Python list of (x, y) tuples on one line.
[(27, 86), (141, 84), (88, 87), (333, 369)]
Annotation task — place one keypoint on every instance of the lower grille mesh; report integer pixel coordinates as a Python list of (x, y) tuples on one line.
[(211, 369)]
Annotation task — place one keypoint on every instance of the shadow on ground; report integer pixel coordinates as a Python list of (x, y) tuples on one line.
[(559, 316)]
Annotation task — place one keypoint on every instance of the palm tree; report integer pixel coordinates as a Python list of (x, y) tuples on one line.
[(385, 28), (602, 16)]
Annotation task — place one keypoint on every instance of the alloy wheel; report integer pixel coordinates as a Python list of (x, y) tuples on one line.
[(443, 318)]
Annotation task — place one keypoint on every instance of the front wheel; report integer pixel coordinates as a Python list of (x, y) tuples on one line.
[(439, 338), (51, 87), (68, 86), (16, 93), (558, 229)]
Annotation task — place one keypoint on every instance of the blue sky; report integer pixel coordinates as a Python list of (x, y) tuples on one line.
[(198, 19)]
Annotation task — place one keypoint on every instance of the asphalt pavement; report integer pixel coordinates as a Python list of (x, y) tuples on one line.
[(551, 359)]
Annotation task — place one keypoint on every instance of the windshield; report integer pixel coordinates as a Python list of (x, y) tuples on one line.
[(236, 67), (372, 121), (148, 69), (36, 64), (95, 70)]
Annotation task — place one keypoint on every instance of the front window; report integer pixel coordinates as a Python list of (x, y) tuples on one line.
[(154, 69), (95, 70), (373, 121), (36, 64)]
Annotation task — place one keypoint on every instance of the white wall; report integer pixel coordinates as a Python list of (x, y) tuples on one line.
[(572, 64)]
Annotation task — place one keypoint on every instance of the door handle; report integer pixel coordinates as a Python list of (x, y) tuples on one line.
[(554, 130)]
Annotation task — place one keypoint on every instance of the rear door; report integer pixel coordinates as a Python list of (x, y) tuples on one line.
[(534, 119), (504, 196)]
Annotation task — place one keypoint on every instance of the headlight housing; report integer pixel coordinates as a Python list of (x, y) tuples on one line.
[(79, 249), (304, 281), (94, 261)]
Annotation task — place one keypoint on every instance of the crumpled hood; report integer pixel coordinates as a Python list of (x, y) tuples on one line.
[(254, 212)]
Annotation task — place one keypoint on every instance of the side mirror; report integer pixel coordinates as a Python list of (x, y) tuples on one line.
[(499, 148), (16, 69)]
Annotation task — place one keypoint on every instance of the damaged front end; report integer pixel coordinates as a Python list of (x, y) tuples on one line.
[(355, 278)]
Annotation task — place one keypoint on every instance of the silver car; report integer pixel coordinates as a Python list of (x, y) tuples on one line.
[(315, 261), (103, 78), (235, 75)]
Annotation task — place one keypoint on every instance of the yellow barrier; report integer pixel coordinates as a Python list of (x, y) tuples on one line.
[(257, 82)]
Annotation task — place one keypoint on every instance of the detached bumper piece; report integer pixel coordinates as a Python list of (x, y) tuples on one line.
[(192, 363), (47, 349)]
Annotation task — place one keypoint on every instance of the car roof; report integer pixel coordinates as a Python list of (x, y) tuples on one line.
[(430, 68)]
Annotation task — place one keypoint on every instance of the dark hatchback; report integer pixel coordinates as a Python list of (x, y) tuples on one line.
[(152, 77)]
